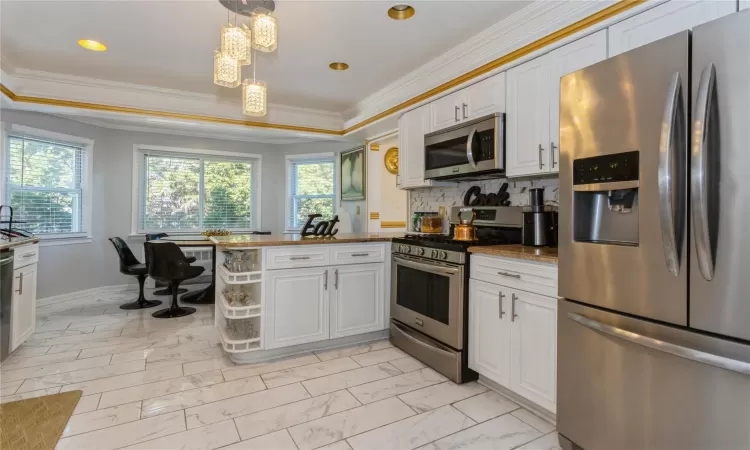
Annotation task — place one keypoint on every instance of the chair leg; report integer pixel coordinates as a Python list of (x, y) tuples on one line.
[(168, 291), (174, 310), (141, 303)]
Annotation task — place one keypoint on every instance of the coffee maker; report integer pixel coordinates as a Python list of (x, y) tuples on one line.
[(539, 221)]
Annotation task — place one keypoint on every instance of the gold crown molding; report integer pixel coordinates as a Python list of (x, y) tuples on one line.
[(385, 224), (374, 147), (582, 24), (374, 215), (576, 27)]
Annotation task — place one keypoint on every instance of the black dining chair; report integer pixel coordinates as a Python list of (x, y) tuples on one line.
[(166, 262), (191, 259), (129, 265)]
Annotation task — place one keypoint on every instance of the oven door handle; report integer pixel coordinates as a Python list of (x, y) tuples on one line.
[(439, 270)]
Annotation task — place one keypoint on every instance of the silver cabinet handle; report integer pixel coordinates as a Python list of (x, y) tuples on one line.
[(552, 147), (513, 314), (541, 149), (699, 172), (456, 114), (500, 298), (336, 279), (666, 347), (28, 255), (464, 109), (359, 254), (671, 213), (297, 258), (469, 152), (508, 274), (325, 280), (20, 284)]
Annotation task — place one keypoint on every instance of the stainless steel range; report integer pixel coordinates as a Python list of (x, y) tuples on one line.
[(429, 290)]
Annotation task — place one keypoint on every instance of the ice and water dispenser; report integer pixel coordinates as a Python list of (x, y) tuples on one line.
[(605, 199)]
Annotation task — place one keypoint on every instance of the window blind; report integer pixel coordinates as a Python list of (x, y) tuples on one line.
[(44, 185), (312, 187), (193, 193)]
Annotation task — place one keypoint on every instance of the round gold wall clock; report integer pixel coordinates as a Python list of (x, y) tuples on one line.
[(391, 160)]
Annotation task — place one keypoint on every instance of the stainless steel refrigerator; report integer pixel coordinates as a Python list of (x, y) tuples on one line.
[(654, 331)]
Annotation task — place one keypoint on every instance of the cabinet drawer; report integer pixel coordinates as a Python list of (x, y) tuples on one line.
[(356, 254), (297, 256), (25, 255), (532, 277)]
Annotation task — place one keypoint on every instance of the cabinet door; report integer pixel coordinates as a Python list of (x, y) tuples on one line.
[(357, 301), (527, 120), (567, 59), (664, 20), (412, 127), (534, 348), (485, 97), (296, 306), (23, 305), (489, 331), (448, 110)]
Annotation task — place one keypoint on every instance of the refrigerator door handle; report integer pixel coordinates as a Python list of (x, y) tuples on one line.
[(662, 346), (699, 171), (669, 209)]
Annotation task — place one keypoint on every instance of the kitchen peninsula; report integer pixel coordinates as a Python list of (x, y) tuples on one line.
[(300, 293)]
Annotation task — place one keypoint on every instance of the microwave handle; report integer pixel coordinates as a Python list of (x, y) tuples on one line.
[(469, 153)]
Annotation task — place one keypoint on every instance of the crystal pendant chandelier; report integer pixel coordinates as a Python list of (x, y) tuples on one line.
[(254, 98), (237, 45), (236, 42), (265, 32), (227, 70)]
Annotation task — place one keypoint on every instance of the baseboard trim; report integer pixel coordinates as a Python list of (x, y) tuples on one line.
[(531, 406), (83, 293)]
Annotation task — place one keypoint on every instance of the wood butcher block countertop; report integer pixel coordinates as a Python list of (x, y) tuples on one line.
[(18, 241), (251, 240), (538, 254)]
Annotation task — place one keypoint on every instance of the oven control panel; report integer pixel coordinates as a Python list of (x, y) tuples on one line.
[(429, 253)]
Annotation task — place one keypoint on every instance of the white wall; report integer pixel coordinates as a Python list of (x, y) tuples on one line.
[(74, 267)]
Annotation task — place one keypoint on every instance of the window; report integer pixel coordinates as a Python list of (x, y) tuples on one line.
[(312, 188), (45, 182), (189, 191)]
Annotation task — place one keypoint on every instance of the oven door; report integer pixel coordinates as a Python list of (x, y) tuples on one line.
[(428, 296)]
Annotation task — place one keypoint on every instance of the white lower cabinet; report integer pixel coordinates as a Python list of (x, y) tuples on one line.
[(296, 306), (513, 340), (357, 299), (534, 348), (23, 305)]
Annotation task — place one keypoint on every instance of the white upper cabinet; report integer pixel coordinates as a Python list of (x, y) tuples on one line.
[(534, 348), (527, 124), (412, 126), (664, 20), (471, 102), (489, 331), (560, 62), (296, 306), (357, 299)]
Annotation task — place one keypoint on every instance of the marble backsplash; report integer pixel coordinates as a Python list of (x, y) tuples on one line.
[(431, 199)]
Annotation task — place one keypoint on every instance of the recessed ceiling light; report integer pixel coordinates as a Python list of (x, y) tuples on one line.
[(338, 66), (92, 45), (401, 12)]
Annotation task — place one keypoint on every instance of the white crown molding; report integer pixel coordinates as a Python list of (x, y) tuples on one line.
[(531, 23), (32, 83)]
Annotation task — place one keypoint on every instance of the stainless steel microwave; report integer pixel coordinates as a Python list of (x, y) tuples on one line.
[(468, 151)]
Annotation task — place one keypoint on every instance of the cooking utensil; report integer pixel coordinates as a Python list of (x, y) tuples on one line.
[(465, 229)]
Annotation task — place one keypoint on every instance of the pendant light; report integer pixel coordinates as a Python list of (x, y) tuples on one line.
[(236, 42), (265, 30), (254, 97), (227, 71)]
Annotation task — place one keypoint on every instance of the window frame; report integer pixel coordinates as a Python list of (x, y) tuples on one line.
[(290, 160), (139, 152), (87, 145)]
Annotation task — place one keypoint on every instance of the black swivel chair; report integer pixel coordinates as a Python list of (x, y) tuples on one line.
[(129, 265), (166, 262), (191, 259)]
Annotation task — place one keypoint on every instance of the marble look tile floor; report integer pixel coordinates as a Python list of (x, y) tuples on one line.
[(166, 384)]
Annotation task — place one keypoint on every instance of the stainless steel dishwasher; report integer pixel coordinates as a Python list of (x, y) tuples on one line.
[(6, 295)]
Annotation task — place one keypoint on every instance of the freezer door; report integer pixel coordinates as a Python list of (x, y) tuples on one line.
[(625, 384), (633, 104), (720, 177)]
